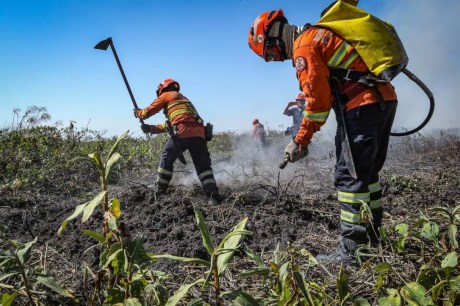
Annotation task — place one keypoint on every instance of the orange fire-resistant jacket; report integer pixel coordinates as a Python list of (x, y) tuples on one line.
[(179, 111), (314, 52)]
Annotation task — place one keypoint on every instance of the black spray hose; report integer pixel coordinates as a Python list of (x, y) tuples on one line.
[(417, 81)]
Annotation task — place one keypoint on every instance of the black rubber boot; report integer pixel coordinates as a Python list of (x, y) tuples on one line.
[(214, 198)]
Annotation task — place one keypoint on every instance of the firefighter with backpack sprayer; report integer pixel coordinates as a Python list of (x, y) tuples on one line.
[(365, 110)]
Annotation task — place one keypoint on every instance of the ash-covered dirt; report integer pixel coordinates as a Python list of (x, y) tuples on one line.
[(296, 205)]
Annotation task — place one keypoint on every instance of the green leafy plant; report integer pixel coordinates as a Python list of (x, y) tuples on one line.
[(121, 277), (220, 256), (24, 277)]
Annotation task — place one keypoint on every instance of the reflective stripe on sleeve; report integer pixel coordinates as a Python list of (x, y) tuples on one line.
[(317, 117), (374, 187), (338, 55)]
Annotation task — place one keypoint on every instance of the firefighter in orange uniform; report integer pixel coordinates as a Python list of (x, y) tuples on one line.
[(189, 130), (370, 107)]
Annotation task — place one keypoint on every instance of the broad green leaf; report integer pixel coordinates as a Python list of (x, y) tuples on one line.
[(430, 231), (98, 236), (383, 267), (450, 261), (342, 285), (114, 148), (8, 299), (110, 163), (197, 302), (78, 210), (204, 230), (53, 284), (402, 229), (132, 302), (231, 234), (414, 294), (172, 301), (361, 302), (115, 207), (161, 293), (399, 244), (442, 211), (89, 207), (24, 251), (183, 259), (456, 210), (258, 260), (282, 284), (393, 298), (300, 283), (437, 290), (112, 223), (380, 282), (240, 298), (100, 166), (112, 254), (257, 271), (453, 235), (230, 242), (8, 275)]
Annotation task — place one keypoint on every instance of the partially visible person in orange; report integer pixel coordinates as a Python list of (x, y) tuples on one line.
[(258, 134), (321, 57), (189, 128)]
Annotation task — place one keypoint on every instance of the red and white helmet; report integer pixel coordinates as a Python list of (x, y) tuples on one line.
[(167, 85), (300, 96), (269, 48)]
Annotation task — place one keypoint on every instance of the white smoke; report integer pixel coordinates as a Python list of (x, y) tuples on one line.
[(428, 30)]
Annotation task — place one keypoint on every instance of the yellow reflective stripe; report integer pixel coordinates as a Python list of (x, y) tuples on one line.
[(164, 171), (350, 217), (180, 111), (317, 117), (354, 55), (338, 55), (204, 174), (354, 198), (208, 181), (374, 187), (375, 204), (176, 103), (162, 181)]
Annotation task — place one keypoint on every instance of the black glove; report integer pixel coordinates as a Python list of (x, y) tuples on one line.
[(146, 128)]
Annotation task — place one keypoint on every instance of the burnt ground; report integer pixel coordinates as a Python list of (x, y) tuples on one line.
[(296, 205)]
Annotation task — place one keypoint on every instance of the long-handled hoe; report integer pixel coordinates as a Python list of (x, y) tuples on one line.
[(103, 45)]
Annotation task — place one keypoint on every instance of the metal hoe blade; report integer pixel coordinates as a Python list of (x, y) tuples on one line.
[(103, 44)]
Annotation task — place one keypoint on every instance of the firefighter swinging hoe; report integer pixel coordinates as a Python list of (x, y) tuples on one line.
[(185, 127), (345, 62)]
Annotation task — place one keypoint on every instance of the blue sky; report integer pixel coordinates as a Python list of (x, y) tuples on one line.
[(47, 59)]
